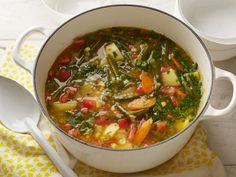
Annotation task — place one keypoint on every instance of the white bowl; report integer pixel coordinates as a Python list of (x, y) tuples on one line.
[(214, 21), (62, 10)]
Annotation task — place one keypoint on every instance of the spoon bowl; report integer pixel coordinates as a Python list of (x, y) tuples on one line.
[(16, 103)]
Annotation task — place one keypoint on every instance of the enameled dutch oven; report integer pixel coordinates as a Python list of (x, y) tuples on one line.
[(130, 160)]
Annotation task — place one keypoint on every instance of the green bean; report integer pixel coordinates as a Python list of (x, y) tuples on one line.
[(147, 52), (113, 67), (131, 114), (108, 76), (154, 65), (122, 97), (127, 58), (61, 85), (127, 113), (123, 71), (80, 60), (126, 85), (165, 52), (96, 44), (139, 112), (92, 60)]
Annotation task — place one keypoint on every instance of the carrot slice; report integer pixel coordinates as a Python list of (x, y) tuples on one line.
[(142, 132), (180, 93), (177, 64), (141, 103), (135, 72), (147, 82)]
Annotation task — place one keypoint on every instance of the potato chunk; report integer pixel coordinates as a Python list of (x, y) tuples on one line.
[(169, 78), (61, 107), (113, 51)]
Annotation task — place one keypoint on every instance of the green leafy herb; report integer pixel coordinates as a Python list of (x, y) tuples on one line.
[(142, 64), (73, 121), (86, 126), (87, 70)]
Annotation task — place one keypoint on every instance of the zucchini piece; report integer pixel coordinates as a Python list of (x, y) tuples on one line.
[(113, 51), (61, 107), (111, 130), (195, 73), (169, 78), (127, 93)]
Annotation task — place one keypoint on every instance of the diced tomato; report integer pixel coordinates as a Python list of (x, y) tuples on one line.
[(174, 101), (171, 91), (130, 46), (168, 90), (47, 95), (71, 91), (124, 123), (67, 127), (162, 126), (171, 116), (64, 60), (79, 42), (84, 110), (165, 68), (89, 103), (74, 132), (132, 132), (140, 90), (64, 74), (106, 106), (109, 142), (148, 141), (51, 74), (102, 120), (64, 97), (94, 141)]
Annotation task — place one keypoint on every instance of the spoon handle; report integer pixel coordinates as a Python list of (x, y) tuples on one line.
[(55, 158)]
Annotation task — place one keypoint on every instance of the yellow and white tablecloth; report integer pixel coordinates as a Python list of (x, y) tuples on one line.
[(21, 156)]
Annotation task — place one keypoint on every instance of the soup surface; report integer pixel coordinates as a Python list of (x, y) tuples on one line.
[(123, 88)]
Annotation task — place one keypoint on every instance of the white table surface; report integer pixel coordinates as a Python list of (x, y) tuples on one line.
[(18, 15)]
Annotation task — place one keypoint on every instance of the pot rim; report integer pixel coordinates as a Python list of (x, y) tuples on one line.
[(134, 149)]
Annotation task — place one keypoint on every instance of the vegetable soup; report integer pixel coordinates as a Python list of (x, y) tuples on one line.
[(123, 88)]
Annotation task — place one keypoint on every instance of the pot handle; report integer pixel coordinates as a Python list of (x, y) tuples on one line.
[(29, 66), (212, 112)]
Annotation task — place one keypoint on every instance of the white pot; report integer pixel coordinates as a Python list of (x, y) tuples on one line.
[(132, 160)]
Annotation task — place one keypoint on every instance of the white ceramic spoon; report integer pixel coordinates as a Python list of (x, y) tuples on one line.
[(19, 112)]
